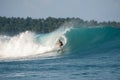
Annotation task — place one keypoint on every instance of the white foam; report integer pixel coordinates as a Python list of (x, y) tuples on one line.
[(25, 44)]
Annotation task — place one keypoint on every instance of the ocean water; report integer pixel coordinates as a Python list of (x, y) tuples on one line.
[(89, 53)]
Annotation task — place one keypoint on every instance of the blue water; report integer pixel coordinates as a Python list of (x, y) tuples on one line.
[(91, 53)]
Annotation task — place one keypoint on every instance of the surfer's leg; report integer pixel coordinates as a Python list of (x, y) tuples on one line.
[(60, 50)]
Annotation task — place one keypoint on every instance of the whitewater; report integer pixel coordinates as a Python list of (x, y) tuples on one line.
[(28, 44), (89, 53)]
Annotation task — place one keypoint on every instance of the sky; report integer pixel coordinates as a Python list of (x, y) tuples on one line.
[(100, 10)]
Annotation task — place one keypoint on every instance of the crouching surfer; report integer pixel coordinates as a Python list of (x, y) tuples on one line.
[(60, 44)]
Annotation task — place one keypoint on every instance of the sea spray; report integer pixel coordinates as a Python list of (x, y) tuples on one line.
[(19, 46), (27, 44)]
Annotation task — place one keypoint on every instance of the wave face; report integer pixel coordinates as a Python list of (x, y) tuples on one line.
[(91, 39), (76, 40)]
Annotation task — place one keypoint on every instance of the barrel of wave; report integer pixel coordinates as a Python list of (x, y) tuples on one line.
[(52, 40)]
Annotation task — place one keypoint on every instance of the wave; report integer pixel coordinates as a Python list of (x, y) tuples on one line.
[(89, 39), (75, 40), (29, 44)]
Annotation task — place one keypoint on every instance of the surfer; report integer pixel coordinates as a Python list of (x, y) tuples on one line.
[(60, 43)]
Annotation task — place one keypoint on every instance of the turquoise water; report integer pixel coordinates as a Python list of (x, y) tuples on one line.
[(89, 53)]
